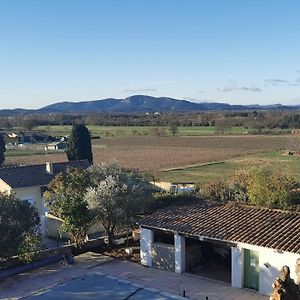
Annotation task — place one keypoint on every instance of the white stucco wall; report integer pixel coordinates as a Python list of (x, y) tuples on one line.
[(179, 242), (4, 187), (270, 263), (147, 237), (34, 194), (237, 267)]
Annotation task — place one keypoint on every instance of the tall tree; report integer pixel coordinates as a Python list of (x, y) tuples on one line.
[(79, 144), (173, 126), (65, 200), (19, 228), (116, 197), (2, 149)]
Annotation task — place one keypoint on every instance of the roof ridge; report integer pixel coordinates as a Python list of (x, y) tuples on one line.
[(257, 207), (43, 164), (240, 205)]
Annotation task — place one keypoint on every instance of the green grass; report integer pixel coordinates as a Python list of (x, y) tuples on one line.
[(126, 131), (21, 152), (224, 170)]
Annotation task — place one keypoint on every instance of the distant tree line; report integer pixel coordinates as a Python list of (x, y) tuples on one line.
[(250, 119)]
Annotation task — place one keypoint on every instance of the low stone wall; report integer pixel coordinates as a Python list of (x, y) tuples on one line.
[(52, 225), (14, 266)]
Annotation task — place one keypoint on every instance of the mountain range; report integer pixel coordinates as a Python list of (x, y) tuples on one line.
[(142, 104)]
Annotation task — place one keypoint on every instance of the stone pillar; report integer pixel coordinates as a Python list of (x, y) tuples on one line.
[(237, 267), (179, 253), (146, 240)]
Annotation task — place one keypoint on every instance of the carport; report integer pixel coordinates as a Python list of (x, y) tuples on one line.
[(208, 258)]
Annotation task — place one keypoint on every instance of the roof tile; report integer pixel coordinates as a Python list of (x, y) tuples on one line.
[(276, 229), (36, 175)]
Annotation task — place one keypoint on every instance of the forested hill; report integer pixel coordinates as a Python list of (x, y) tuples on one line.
[(142, 104)]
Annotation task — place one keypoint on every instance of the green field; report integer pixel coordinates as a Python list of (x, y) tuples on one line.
[(225, 169), (128, 131)]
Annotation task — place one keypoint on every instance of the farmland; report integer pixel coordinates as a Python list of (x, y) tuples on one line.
[(195, 158), (132, 131)]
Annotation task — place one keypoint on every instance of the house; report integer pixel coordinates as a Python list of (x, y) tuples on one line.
[(25, 138), (30, 182), (242, 245), (61, 145), (12, 138), (175, 187)]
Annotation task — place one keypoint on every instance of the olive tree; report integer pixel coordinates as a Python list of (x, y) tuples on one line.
[(116, 197)]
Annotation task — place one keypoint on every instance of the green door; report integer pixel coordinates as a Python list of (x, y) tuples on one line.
[(251, 269)]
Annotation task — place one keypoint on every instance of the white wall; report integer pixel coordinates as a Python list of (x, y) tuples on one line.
[(179, 253), (237, 267), (270, 263), (147, 237)]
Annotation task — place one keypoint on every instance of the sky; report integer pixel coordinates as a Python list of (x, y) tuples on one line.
[(233, 51)]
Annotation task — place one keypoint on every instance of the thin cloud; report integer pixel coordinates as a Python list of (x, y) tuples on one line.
[(275, 81), (252, 88), (278, 81), (201, 91), (139, 90)]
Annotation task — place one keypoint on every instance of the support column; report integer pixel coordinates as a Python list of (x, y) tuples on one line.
[(146, 240), (237, 267), (179, 241)]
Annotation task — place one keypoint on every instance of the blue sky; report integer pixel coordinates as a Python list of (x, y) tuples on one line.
[(234, 51)]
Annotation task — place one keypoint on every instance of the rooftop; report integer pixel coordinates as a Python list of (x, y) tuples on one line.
[(276, 229), (36, 175)]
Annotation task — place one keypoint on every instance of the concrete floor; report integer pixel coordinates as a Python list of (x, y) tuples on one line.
[(45, 279)]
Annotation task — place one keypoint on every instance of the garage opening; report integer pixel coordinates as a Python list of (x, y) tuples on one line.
[(208, 259)]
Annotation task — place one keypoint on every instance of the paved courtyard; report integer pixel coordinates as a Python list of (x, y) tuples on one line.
[(103, 272)]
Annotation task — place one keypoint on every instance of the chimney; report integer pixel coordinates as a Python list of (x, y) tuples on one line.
[(49, 168)]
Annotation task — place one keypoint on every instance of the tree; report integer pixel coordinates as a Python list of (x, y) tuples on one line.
[(29, 123), (79, 144), (116, 197), (261, 186), (173, 126), (271, 188), (2, 149), (216, 190), (65, 200), (19, 228)]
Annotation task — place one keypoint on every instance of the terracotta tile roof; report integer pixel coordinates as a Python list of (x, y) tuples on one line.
[(36, 175), (263, 227)]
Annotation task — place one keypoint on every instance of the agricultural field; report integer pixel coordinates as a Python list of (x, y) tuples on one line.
[(133, 131), (180, 158), (225, 169)]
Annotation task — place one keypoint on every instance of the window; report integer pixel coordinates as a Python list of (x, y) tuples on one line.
[(163, 237)]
